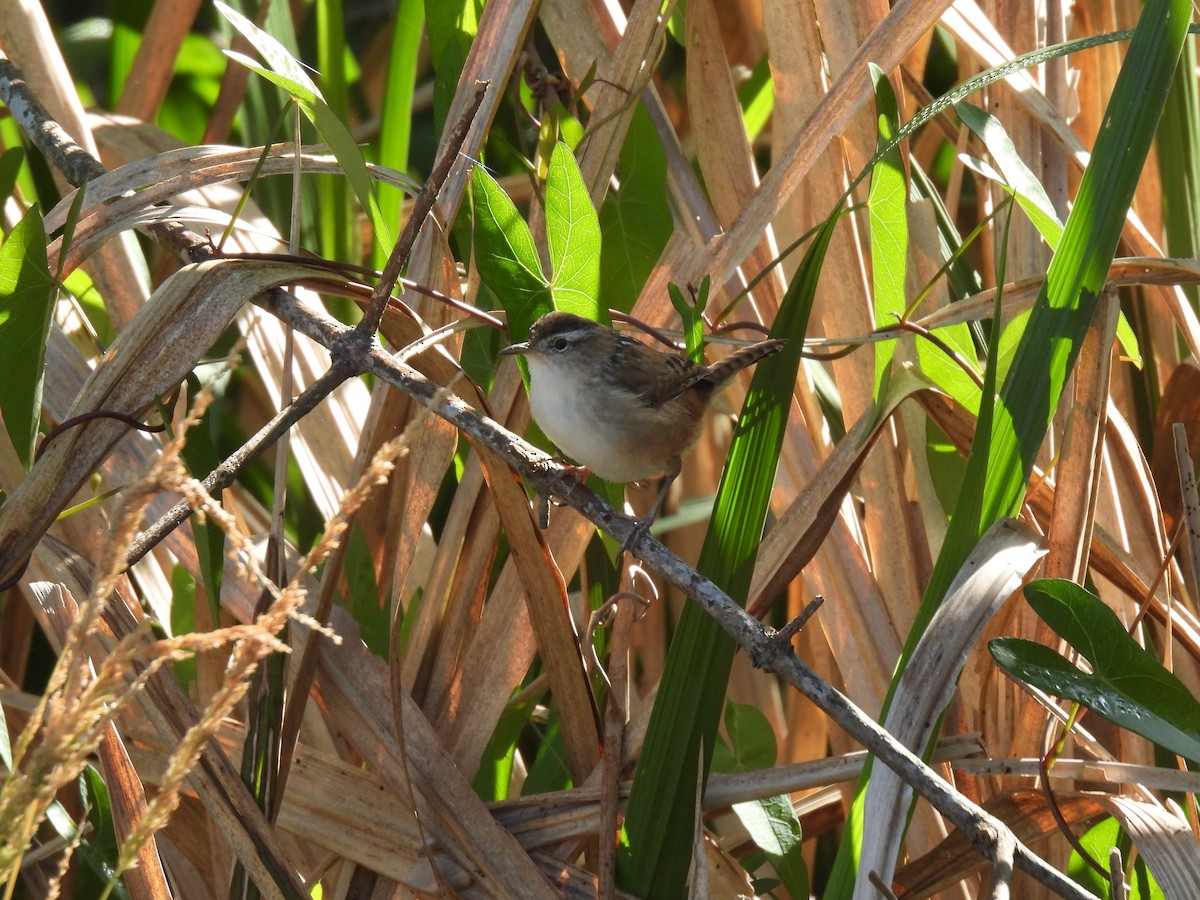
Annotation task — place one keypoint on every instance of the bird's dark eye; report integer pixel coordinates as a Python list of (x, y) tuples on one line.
[(560, 344)]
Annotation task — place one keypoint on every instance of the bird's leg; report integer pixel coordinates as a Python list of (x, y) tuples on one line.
[(641, 525)]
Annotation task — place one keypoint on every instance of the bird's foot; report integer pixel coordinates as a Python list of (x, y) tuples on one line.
[(567, 478), (641, 528), (641, 525)]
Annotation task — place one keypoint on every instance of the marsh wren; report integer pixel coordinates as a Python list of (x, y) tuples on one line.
[(619, 408)]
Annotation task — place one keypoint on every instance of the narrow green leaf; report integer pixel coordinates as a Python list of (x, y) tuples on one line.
[(183, 620), (339, 237), (493, 778), (1014, 174), (128, 20), (889, 223), (1178, 148), (371, 611), (756, 95), (200, 454), (100, 849), (573, 237), (1127, 684), (262, 114), (692, 317), (26, 308)]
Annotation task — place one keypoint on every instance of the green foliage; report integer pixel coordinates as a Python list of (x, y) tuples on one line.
[(284, 71), (889, 223), (1005, 447), (1098, 841), (1014, 175), (371, 608), (452, 25), (692, 316), (395, 129), (100, 848), (1127, 685), (573, 236), (183, 620), (26, 306), (771, 822), (506, 254)]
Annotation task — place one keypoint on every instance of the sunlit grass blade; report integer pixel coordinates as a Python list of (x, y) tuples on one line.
[(660, 819), (339, 237), (1178, 148), (395, 126)]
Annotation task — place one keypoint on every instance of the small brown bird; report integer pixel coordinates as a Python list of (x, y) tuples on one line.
[(621, 409)]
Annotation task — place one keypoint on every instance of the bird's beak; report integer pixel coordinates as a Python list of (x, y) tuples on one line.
[(516, 349)]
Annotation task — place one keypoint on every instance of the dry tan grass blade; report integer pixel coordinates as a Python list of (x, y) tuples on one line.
[(1002, 558), (149, 358)]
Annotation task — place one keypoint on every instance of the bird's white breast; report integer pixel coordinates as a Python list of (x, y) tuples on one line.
[(568, 409)]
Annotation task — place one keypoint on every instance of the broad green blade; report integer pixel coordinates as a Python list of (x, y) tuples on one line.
[(660, 821)]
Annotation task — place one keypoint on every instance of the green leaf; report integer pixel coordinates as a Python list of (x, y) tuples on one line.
[(288, 74), (751, 741), (573, 237), (371, 612), (452, 25), (774, 828), (771, 821), (549, 771), (26, 308), (494, 775), (183, 620), (506, 255), (756, 96), (199, 452), (889, 223), (99, 849), (1178, 147), (1127, 685), (335, 218), (1014, 175), (1098, 841), (692, 317)]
